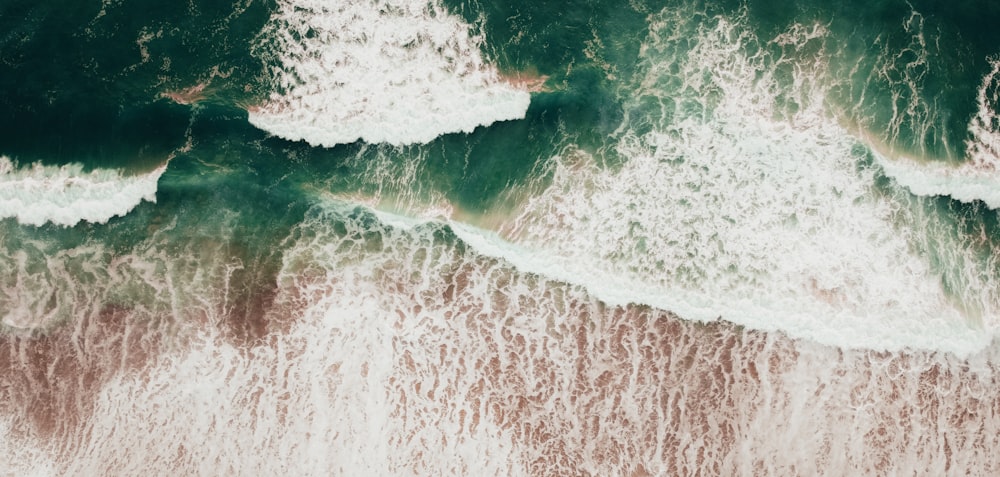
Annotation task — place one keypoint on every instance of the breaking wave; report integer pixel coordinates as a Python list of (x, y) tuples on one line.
[(396, 72), (66, 195)]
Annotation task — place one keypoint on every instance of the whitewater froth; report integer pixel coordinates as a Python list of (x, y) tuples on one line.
[(747, 201), (397, 72), (66, 195)]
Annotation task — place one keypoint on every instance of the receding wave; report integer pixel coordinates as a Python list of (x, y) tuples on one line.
[(66, 195), (381, 72)]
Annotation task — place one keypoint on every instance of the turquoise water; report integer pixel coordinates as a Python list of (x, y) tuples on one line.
[(429, 238)]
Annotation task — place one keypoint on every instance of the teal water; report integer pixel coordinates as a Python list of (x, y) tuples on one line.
[(178, 210)]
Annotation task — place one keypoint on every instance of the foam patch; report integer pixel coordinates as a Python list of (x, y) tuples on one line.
[(396, 72), (66, 195)]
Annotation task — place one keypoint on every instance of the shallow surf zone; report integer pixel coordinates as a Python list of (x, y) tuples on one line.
[(396, 72), (48, 285), (740, 196), (78, 316), (66, 195), (405, 351)]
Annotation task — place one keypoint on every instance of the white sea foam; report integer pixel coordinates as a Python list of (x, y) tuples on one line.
[(737, 206), (978, 176), (66, 195), (389, 71), (964, 182)]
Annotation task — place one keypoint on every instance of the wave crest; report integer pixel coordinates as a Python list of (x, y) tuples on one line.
[(66, 195), (383, 72)]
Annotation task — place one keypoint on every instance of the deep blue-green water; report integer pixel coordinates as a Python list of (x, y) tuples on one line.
[(387, 237)]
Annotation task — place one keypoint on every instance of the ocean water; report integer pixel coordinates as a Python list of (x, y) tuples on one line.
[(389, 237)]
